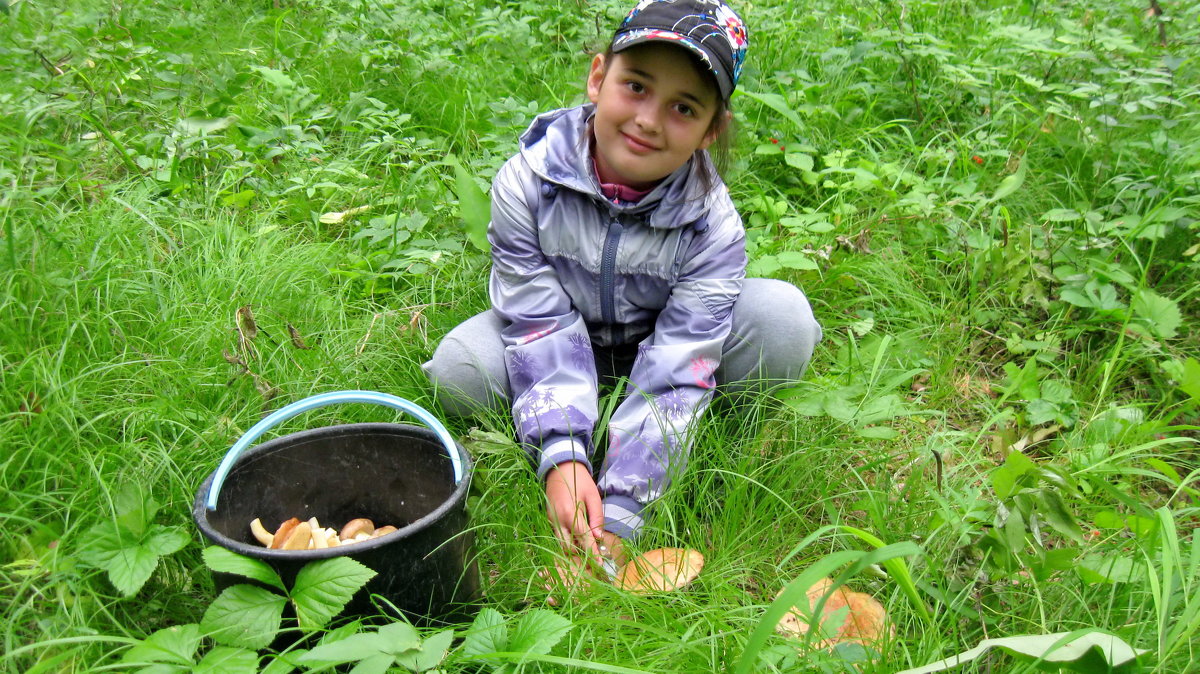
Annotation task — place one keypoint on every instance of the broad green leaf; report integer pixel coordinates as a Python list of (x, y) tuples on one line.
[(764, 265), (799, 160), (163, 540), (173, 645), (775, 102), (838, 405), (429, 654), (1013, 182), (324, 587), (1161, 312), (399, 637), (878, 433), (1190, 382), (130, 568), (474, 207), (284, 663), (1056, 513), (1062, 215), (1014, 531), (1015, 465), (795, 260), (135, 509), (244, 616), (374, 664), (1082, 650), (225, 660), (353, 648), (274, 77), (888, 406), (1109, 569), (222, 560), (538, 631), (487, 634), (1039, 411)]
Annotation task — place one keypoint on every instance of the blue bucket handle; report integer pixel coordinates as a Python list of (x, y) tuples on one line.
[(321, 400)]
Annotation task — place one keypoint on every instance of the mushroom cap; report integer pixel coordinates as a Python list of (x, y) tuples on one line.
[(865, 620), (282, 533), (660, 570), (300, 537), (357, 526), (383, 531)]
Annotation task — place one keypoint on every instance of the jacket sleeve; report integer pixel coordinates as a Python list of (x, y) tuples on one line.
[(673, 378), (548, 352)]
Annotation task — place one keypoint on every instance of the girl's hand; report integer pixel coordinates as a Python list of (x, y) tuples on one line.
[(574, 508)]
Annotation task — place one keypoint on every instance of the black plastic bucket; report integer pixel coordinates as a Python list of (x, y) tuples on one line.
[(411, 477)]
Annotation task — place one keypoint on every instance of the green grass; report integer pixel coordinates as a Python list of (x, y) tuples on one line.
[(130, 241)]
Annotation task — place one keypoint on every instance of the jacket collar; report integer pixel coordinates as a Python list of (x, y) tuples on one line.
[(556, 147)]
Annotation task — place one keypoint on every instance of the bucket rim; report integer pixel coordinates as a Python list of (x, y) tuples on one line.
[(321, 400), (201, 511)]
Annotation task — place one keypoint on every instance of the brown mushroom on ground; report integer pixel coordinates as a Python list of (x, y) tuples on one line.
[(260, 532), (866, 621), (660, 570), (354, 527), (283, 532)]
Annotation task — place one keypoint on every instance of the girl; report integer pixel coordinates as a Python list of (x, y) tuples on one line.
[(616, 252)]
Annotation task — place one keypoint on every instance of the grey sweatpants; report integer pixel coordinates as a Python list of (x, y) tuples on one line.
[(774, 333)]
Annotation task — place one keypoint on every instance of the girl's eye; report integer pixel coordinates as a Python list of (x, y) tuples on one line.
[(685, 110), (635, 87)]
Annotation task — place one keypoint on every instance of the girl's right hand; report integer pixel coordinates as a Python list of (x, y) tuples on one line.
[(574, 508)]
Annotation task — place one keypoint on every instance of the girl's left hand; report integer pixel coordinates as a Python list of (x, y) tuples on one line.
[(574, 508)]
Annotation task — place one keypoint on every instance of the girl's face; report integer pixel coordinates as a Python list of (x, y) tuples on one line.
[(654, 108)]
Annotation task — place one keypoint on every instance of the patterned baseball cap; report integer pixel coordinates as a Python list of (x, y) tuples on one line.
[(709, 28)]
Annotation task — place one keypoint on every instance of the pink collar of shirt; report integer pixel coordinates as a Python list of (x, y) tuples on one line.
[(616, 192)]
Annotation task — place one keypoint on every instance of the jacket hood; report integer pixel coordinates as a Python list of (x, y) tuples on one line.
[(556, 147)]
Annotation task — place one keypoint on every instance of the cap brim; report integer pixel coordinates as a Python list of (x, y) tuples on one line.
[(638, 36)]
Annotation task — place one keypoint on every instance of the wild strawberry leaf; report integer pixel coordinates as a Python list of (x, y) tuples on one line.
[(222, 560), (129, 560), (538, 631), (488, 634), (244, 616), (172, 645), (226, 660), (323, 588)]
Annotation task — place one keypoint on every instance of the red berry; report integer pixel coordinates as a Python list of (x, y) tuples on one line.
[(977, 159), (775, 141)]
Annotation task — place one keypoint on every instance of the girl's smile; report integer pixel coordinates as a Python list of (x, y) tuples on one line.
[(654, 108)]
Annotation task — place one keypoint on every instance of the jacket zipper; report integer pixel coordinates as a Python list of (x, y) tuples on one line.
[(608, 272)]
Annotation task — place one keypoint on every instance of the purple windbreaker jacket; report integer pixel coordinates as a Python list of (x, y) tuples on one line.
[(570, 268)]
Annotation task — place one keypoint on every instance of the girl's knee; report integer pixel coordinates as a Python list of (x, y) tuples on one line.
[(775, 319), (467, 371)]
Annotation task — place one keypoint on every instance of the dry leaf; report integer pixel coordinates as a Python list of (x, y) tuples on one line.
[(232, 359), (247, 327), (297, 340), (866, 620), (660, 570)]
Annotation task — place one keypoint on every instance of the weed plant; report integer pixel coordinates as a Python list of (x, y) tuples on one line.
[(211, 209)]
